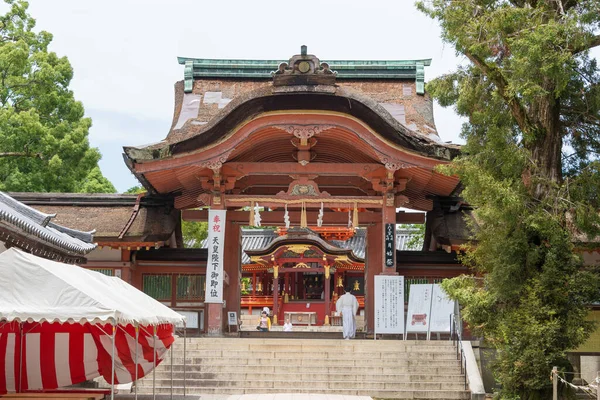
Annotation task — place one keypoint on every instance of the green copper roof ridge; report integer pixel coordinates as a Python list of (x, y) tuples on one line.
[(261, 69), (200, 61)]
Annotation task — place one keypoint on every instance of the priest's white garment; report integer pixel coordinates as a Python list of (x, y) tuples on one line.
[(348, 306)]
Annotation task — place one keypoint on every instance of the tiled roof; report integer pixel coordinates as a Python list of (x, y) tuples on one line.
[(108, 215), (255, 239), (21, 219)]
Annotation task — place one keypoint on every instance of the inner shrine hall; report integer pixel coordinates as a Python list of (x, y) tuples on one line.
[(328, 155)]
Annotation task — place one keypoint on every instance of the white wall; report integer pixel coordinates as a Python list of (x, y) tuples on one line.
[(590, 366)]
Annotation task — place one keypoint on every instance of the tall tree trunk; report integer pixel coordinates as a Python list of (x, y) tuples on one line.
[(546, 149)]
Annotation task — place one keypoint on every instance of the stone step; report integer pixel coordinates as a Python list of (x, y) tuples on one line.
[(298, 384), (236, 342), (352, 376), (382, 394), (316, 355), (259, 362), (320, 349), (320, 369)]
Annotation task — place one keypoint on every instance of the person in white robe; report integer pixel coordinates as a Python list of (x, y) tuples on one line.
[(347, 305)]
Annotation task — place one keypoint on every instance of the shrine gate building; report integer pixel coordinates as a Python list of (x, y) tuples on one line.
[(322, 150)]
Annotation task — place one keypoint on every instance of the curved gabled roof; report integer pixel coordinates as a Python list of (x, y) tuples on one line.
[(308, 237), (230, 115), (194, 135)]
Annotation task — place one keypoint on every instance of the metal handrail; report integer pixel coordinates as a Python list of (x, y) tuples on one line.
[(456, 336)]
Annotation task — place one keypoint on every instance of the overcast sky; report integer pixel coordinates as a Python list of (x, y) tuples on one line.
[(124, 53)]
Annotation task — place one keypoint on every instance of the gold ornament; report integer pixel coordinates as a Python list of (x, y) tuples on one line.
[(303, 67)]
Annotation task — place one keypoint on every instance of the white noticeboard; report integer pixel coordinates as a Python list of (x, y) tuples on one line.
[(419, 308), (214, 262), (232, 318), (389, 304), (191, 319), (441, 310)]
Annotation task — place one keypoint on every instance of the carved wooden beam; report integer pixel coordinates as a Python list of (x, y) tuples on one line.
[(330, 218), (321, 169)]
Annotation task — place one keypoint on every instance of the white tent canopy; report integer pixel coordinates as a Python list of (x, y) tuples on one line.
[(37, 289)]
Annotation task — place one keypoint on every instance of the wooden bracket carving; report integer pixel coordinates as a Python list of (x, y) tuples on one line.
[(215, 164), (303, 186), (205, 183), (303, 132), (394, 164), (378, 186), (400, 185), (389, 199), (229, 182), (401, 201)]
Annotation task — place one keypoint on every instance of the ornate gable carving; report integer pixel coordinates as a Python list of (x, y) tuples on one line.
[(303, 69), (303, 187), (303, 132)]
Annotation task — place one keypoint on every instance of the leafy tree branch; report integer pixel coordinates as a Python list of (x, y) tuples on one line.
[(44, 143)]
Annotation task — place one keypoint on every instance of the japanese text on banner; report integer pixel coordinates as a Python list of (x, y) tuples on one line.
[(214, 266), (390, 248)]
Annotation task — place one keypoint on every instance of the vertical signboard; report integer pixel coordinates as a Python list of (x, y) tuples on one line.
[(390, 248), (419, 308), (214, 263), (441, 310), (232, 318), (389, 304)]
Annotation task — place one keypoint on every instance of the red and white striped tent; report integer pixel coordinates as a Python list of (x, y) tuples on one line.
[(61, 325)]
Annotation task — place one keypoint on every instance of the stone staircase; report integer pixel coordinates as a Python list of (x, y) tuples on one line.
[(385, 369)]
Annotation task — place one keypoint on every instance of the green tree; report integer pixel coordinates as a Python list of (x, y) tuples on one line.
[(194, 233), (43, 132), (531, 94), (95, 182), (135, 190), (417, 235)]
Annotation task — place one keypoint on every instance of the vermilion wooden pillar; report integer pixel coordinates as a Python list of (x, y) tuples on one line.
[(231, 290), (388, 217), (286, 285), (275, 294), (232, 267), (327, 294), (373, 266)]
